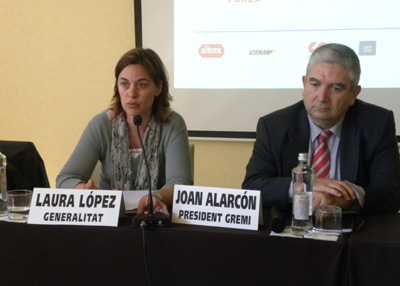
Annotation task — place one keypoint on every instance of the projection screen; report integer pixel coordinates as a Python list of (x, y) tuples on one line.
[(233, 61)]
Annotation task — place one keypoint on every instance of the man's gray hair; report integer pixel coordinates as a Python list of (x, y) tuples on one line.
[(338, 54)]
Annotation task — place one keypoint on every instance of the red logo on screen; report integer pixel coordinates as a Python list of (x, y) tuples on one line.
[(314, 45), (211, 51)]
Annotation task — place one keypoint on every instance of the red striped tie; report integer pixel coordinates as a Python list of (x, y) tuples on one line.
[(321, 161)]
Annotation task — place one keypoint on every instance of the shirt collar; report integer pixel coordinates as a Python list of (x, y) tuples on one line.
[(315, 130)]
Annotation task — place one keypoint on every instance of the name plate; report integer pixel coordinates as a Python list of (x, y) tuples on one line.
[(75, 207), (220, 207)]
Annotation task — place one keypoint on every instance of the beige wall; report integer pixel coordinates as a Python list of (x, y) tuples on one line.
[(220, 164), (56, 67)]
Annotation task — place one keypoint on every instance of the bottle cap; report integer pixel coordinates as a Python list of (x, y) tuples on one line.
[(303, 157)]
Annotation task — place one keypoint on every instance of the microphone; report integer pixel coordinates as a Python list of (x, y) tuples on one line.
[(151, 218), (277, 223)]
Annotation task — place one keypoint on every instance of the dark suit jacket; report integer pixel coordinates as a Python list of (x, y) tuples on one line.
[(368, 149)]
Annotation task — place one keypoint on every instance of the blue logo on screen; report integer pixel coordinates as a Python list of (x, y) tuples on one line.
[(367, 48)]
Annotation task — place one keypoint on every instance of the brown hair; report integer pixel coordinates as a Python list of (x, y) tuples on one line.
[(157, 71)]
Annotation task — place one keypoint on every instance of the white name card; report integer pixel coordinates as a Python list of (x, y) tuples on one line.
[(75, 207), (220, 207)]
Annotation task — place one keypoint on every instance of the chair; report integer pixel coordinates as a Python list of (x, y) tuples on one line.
[(192, 157), (25, 167)]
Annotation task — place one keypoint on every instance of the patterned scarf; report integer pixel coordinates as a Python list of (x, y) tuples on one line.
[(121, 167)]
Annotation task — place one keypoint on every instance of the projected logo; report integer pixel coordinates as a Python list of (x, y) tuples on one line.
[(265, 52), (367, 48), (211, 51), (315, 45)]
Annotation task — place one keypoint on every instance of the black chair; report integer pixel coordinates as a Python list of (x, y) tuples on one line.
[(25, 167)]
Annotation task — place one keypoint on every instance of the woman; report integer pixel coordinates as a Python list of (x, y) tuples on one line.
[(141, 88)]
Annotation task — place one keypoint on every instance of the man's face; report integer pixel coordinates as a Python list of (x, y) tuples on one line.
[(327, 93)]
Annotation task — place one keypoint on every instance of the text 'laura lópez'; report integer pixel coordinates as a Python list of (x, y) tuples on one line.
[(75, 207)]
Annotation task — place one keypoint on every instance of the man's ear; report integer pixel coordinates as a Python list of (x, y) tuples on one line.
[(304, 79), (356, 92)]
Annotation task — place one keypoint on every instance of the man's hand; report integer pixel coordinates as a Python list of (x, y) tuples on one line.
[(334, 192), (321, 199), (335, 187)]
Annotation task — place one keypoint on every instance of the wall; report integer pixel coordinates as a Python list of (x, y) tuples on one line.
[(220, 164), (56, 68)]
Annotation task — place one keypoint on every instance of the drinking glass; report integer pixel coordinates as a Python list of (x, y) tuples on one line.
[(19, 202), (328, 219)]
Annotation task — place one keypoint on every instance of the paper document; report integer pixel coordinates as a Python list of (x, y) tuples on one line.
[(330, 236), (132, 198)]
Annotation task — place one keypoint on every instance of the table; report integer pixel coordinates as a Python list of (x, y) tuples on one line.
[(198, 255), (179, 255), (374, 252)]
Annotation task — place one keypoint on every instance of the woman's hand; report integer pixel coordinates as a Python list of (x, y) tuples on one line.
[(88, 186), (158, 206)]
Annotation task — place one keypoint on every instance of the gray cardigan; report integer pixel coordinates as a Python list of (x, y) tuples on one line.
[(95, 145)]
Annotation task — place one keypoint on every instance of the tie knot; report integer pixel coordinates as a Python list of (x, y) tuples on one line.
[(323, 136)]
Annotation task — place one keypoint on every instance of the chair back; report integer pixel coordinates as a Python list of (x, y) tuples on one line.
[(25, 166)]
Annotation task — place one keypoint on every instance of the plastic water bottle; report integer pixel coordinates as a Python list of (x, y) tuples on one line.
[(302, 184), (3, 185)]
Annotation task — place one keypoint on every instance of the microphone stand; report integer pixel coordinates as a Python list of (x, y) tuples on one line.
[(150, 218)]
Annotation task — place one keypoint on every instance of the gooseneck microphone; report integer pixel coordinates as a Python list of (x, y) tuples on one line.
[(151, 218), (137, 120)]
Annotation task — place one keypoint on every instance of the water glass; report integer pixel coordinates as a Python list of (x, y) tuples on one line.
[(328, 219), (19, 202)]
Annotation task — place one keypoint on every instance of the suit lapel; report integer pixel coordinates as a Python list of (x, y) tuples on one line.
[(298, 141), (349, 147)]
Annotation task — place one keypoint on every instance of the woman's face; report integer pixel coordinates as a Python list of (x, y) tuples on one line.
[(137, 91)]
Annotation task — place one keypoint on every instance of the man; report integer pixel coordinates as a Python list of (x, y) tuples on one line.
[(362, 169)]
